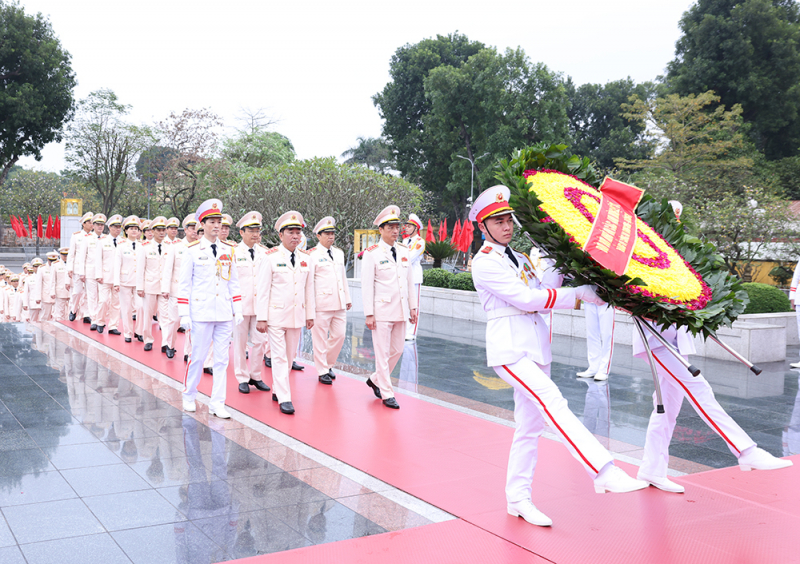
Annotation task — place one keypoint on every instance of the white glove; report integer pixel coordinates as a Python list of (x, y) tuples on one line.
[(588, 294), (238, 318), (186, 322)]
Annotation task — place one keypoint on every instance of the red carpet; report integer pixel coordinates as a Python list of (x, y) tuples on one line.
[(457, 462)]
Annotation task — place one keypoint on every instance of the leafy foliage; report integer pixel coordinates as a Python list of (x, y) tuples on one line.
[(37, 81), (462, 281), (748, 52), (765, 299), (439, 250), (258, 149), (728, 298), (436, 278), (373, 153)]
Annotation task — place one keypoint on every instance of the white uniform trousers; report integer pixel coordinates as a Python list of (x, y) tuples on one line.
[(113, 310), (104, 292), (538, 400), (283, 346), (91, 299), (46, 313), (126, 309), (328, 337), (797, 312), (387, 340), (77, 301), (33, 313), (677, 383), (411, 328), (599, 337), (241, 332), (60, 309), (169, 327), (149, 309), (204, 335)]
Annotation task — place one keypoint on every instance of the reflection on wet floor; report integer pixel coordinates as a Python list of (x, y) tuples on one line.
[(448, 362), (100, 467)]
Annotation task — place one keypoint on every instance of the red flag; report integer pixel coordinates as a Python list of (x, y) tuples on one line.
[(456, 238), (443, 230), (466, 237), (39, 230), (49, 231), (429, 238), (30, 228), (14, 224), (58, 227)]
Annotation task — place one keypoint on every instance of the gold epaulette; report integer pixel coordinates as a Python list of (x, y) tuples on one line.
[(401, 245), (193, 243), (372, 248), (272, 250)]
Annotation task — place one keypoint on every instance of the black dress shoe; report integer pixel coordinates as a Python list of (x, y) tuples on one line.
[(114, 332), (244, 388), (87, 319), (101, 328), (170, 353), (139, 338), (296, 366), (287, 408), (93, 327), (134, 317), (208, 371), (331, 374), (391, 402), (155, 318), (247, 355), (186, 358), (72, 316), (260, 385), (181, 330), (325, 379), (267, 361), (163, 348), (127, 339), (274, 397), (375, 389), (148, 346)]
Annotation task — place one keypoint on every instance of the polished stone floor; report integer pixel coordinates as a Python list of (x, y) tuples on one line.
[(97, 467)]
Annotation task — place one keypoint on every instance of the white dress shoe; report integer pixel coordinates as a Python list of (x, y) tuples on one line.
[(758, 459), (662, 483), (588, 373), (220, 412), (600, 377), (614, 480), (528, 511), (795, 364), (189, 405)]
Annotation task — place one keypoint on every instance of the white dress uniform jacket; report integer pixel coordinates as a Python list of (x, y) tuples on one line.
[(416, 248), (384, 280), (208, 289), (285, 292), (330, 279)]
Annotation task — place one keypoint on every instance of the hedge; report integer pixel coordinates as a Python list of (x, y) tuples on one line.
[(462, 281), (765, 299), (436, 277)]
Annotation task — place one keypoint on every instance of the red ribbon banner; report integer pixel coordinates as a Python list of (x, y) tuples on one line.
[(613, 232)]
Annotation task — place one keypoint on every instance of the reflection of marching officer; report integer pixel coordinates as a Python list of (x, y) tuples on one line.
[(285, 302), (331, 299), (209, 300), (248, 254), (516, 302), (387, 282), (795, 302), (78, 298), (677, 383), (416, 248), (169, 286), (599, 340)]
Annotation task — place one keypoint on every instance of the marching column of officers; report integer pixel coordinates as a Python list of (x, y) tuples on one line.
[(138, 274)]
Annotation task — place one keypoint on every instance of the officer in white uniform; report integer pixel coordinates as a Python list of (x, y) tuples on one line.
[(77, 302), (248, 254), (209, 301), (170, 279), (416, 249), (516, 302), (599, 340), (332, 299)]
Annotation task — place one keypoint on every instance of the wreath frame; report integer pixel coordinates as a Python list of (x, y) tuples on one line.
[(728, 297)]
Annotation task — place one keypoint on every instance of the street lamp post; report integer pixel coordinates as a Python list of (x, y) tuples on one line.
[(472, 176)]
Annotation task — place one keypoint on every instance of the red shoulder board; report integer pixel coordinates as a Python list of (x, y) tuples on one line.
[(372, 248), (272, 250), (304, 251), (486, 250)]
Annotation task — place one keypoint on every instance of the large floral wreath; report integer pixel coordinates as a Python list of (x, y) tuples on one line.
[(673, 277)]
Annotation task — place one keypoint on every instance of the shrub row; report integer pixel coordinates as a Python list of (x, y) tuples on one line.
[(441, 278)]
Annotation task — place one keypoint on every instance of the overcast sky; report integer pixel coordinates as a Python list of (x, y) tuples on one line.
[(314, 65)]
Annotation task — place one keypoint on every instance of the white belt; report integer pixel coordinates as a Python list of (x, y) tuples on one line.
[(506, 312)]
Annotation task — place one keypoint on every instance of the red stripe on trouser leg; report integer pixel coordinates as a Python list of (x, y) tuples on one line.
[(549, 416), (698, 406)]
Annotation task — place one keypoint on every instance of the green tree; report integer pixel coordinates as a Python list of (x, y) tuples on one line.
[(258, 148), (374, 153), (152, 161), (102, 148), (36, 84), (402, 105), (597, 126), (748, 52)]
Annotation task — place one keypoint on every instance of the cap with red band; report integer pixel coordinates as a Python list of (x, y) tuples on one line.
[(491, 202), (209, 208)]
